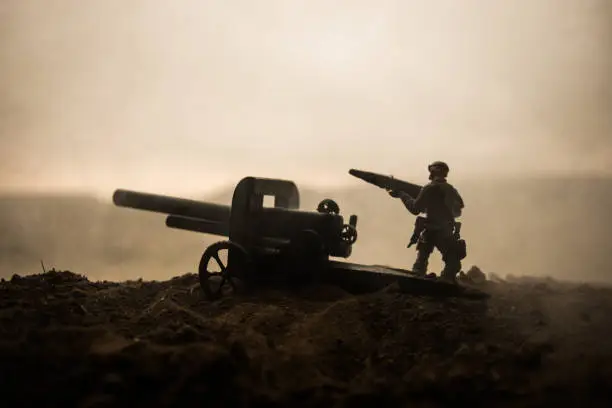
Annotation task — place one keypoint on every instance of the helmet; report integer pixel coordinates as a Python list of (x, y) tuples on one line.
[(440, 165)]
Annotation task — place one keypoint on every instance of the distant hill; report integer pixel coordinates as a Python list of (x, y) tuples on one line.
[(556, 227)]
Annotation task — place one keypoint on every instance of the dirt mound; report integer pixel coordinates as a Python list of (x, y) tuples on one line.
[(66, 341)]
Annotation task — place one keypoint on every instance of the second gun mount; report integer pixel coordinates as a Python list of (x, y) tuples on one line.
[(264, 243)]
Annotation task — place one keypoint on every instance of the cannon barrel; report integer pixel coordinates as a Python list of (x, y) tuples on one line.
[(183, 207), (198, 225), (387, 182)]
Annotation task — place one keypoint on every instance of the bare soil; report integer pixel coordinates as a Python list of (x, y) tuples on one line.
[(66, 341)]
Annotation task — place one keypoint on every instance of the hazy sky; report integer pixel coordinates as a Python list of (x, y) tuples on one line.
[(185, 94)]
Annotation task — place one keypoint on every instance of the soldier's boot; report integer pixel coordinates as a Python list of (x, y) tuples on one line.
[(451, 259), (450, 271)]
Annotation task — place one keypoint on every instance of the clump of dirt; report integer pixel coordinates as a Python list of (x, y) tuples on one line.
[(66, 341)]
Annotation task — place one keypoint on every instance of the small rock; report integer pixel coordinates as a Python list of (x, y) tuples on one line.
[(475, 275), (239, 354), (112, 383), (463, 350), (481, 348), (458, 371)]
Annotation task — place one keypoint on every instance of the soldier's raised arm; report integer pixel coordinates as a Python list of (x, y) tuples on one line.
[(417, 205)]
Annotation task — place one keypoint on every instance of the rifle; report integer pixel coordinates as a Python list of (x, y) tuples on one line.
[(419, 226), (387, 182)]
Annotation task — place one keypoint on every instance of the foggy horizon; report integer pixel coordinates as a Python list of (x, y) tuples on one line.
[(196, 95), (216, 187)]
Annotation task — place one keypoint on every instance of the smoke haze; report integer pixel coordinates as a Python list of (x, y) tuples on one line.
[(191, 95)]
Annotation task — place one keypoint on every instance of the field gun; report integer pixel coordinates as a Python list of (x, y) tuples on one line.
[(280, 243), (263, 243)]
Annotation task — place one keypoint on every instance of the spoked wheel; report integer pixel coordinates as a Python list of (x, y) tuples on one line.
[(348, 234), (328, 206), (224, 267)]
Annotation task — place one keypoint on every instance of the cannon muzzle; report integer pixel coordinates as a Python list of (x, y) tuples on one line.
[(192, 209), (387, 182)]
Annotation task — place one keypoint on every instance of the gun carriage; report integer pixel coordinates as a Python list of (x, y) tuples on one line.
[(263, 243)]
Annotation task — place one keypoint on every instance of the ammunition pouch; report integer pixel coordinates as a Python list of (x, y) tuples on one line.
[(461, 248), (457, 231), (460, 244)]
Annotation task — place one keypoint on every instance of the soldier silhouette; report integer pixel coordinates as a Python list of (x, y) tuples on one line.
[(441, 203)]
